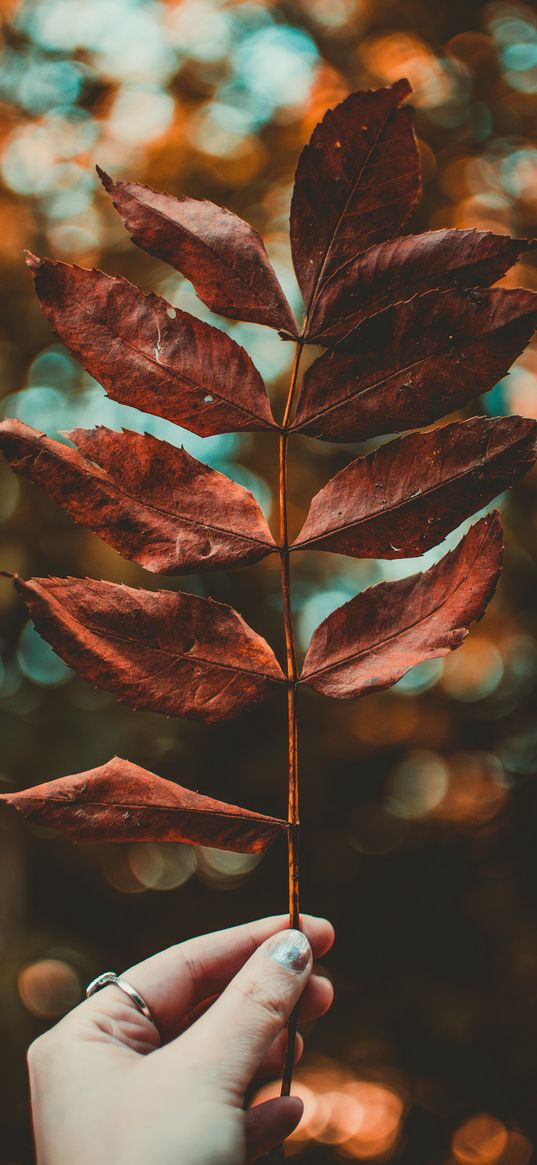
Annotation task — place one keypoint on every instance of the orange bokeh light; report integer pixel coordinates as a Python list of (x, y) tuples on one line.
[(481, 1140), (361, 1117), (49, 988)]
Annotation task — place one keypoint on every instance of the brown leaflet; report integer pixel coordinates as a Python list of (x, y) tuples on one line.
[(223, 256), (415, 362), (357, 182), (401, 268), (374, 639), (150, 355), (152, 502), (166, 651), (406, 496), (120, 801)]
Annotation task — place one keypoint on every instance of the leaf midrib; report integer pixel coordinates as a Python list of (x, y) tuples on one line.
[(175, 657), (68, 803)]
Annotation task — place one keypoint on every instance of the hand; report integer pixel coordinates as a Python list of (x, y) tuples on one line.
[(111, 1088)]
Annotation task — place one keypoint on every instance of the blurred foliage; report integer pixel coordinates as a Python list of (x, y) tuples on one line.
[(419, 805)]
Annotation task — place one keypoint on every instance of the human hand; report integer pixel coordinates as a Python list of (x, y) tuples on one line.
[(111, 1088)]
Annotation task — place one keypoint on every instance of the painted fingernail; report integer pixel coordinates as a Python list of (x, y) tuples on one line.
[(290, 949)]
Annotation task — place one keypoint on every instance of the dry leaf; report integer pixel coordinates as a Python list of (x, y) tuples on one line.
[(120, 801), (223, 256), (149, 354), (415, 362), (151, 501), (373, 640), (406, 496), (357, 182), (396, 271), (166, 651)]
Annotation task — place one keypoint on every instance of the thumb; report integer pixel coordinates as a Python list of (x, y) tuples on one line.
[(237, 1031)]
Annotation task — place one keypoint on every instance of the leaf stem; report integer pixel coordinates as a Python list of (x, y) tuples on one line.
[(292, 677)]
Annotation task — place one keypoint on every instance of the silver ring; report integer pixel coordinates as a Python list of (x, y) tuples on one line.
[(110, 978)]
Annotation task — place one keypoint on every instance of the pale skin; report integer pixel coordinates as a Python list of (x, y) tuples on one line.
[(110, 1088)]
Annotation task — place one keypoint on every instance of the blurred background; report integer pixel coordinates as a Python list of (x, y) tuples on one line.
[(419, 805)]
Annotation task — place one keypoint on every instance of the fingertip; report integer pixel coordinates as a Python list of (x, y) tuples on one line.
[(320, 932), (290, 949), (317, 998), (294, 1110), (325, 989), (270, 1122)]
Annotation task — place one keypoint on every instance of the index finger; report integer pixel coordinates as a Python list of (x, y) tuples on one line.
[(174, 981)]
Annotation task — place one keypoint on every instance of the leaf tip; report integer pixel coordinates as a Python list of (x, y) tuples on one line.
[(32, 261), (402, 89), (105, 178)]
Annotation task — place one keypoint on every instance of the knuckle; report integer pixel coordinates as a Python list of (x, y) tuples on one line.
[(39, 1050), (268, 1001)]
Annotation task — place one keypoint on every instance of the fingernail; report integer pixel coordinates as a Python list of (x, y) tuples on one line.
[(290, 949)]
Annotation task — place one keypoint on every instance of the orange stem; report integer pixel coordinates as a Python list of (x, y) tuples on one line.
[(292, 677)]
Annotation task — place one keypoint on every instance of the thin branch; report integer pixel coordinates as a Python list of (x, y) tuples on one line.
[(292, 730)]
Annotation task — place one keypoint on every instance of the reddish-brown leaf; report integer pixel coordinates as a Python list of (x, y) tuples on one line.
[(151, 355), (415, 362), (166, 651), (357, 182), (401, 268), (406, 496), (371, 642), (120, 801), (152, 502), (223, 256)]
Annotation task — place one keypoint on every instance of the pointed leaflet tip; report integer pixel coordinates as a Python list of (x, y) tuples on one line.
[(32, 261), (401, 89), (121, 802), (105, 178)]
